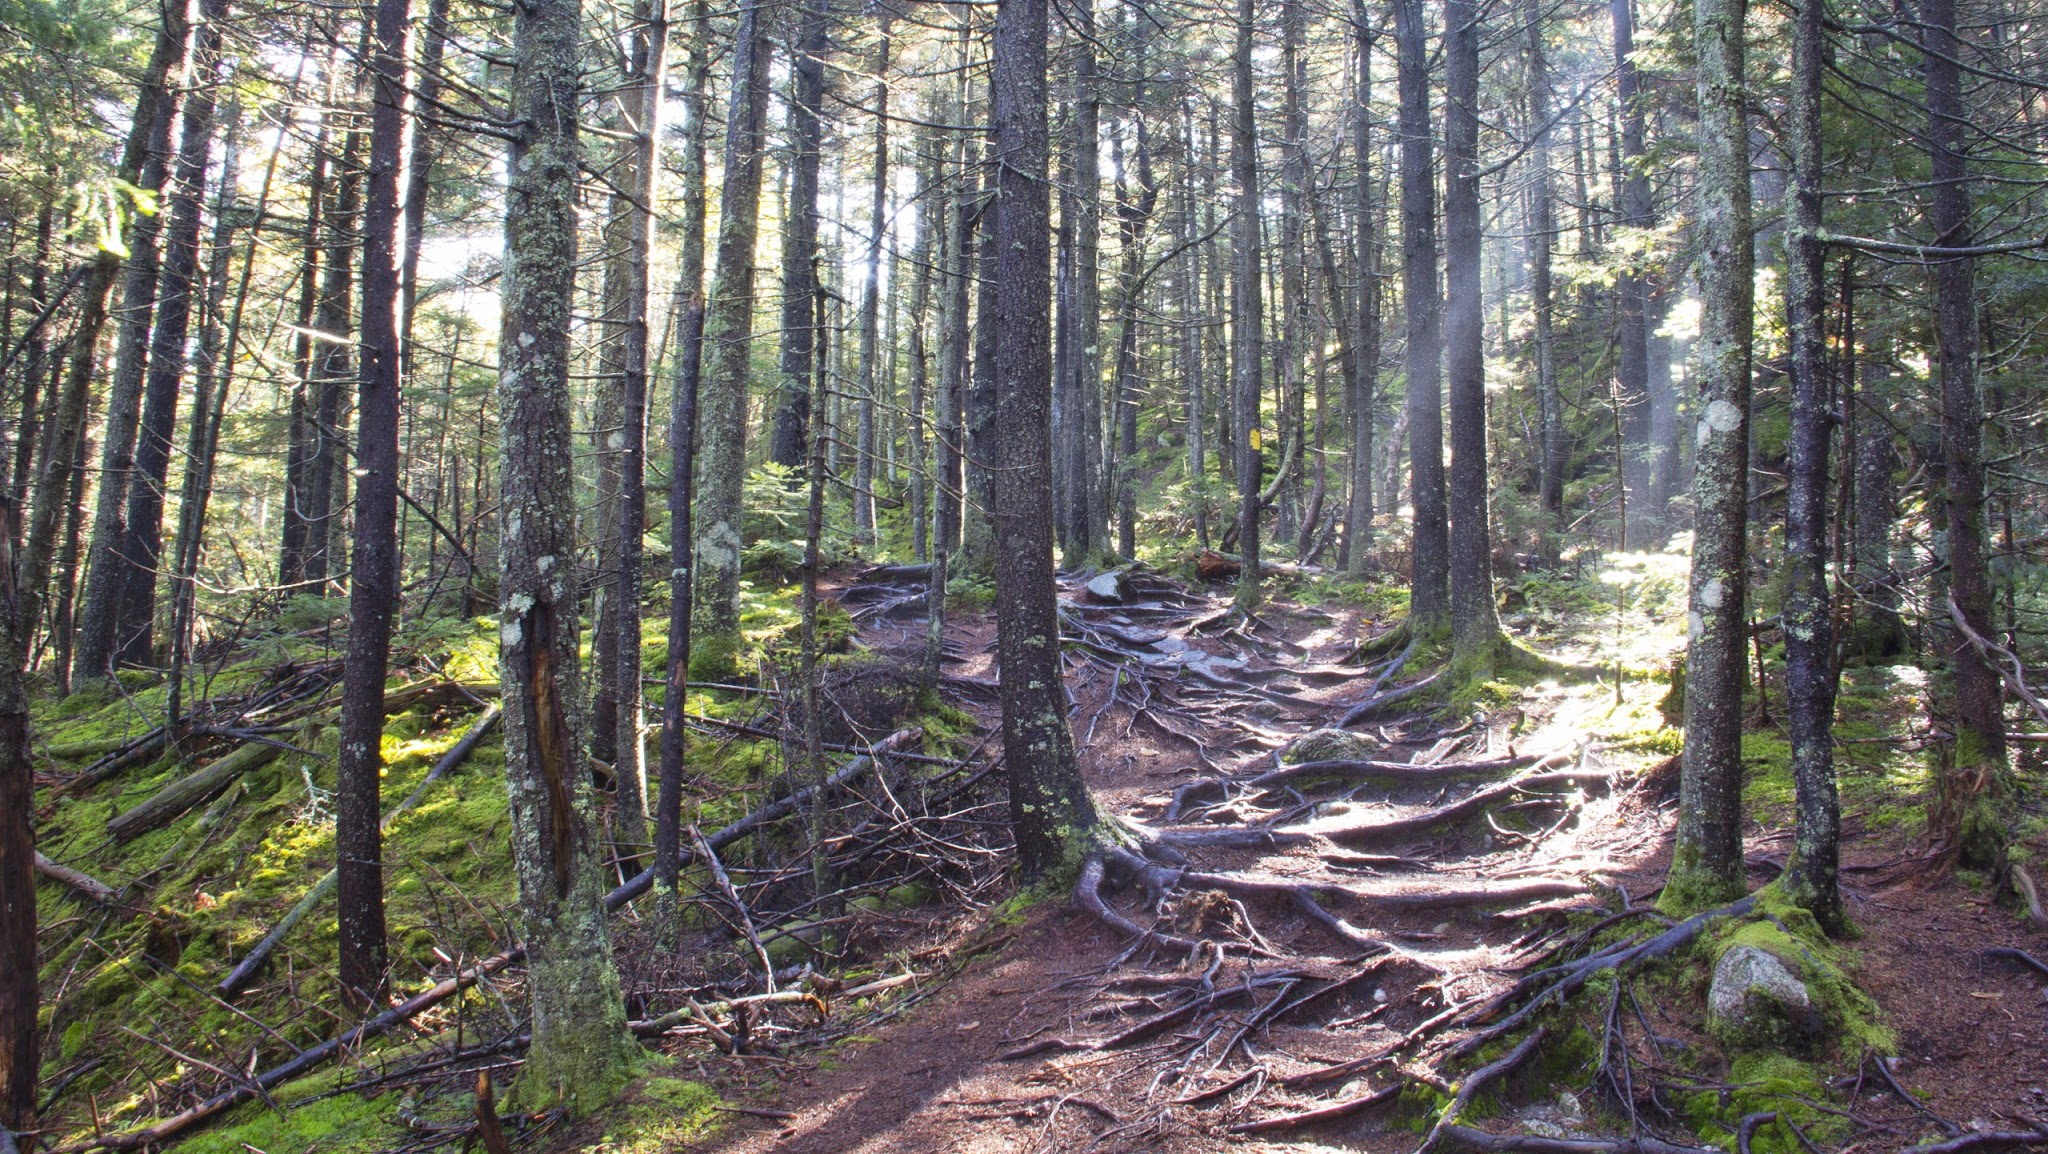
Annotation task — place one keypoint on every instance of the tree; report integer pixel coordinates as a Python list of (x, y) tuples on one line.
[(93, 656), (1643, 520), (1706, 865), (728, 335), (1550, 448), (1970, 784), (682, 439), (1429, 596), (1475, 625), (1247, 306), (1362, 346), (1813, 871), (787, 446), (1054, 816), (373, 578), (580, 1049)]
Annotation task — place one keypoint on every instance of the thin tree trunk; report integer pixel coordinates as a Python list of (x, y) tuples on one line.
[(1247, 307), (148, 158), (1429, 596), (871, 300), (1970, 786), (298, 486), (373, 579), (1362, 347), (1050, 809), (682, 441), (1644, 522), (1550, 446), (1475, 624), (580, 1046), (788, 439), (1812, 875), (1706, 865), (728, 335)]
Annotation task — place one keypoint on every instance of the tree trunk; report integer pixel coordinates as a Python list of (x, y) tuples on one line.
[(1879, 632), (580, 1050), (298, 486), (1475, 624), (1429, 594), (147, 157), (1080, 340), (1812, 876), (333, 371), (629, 751), (1550, 446), (1053, 815), (1362, 347), (373, 578), (788, 438), (1247, 307), (682, 441), (728, 335), (871, 381), (1644, 522), (1706, 865), (1970, 787)]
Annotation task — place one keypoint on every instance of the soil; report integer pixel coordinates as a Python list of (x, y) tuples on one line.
[(1973, 1034)]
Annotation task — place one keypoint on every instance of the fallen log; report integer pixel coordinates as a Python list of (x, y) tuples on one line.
[(197, 788), (190, 790), (304, 1062), (98, 891), (324, 888), (1466, 1137)]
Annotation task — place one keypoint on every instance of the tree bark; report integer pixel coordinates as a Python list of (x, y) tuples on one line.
[(1429, 593), (1053, 815), (581, 1049), (1706, 865), (789, 438), (728, 335), (1970, 795), (682, 441), (1475, 624), (1550, 446), (1812, 875), (872, 381), (1362, 349), (147, 157), (373, 578), (1645, 522), (1247, 320)]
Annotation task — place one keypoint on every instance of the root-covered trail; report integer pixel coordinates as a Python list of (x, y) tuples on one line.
[(1294, 926)]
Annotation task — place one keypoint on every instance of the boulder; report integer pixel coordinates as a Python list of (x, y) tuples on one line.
[(1111, 588), (1330, 745), (1757, 1002)]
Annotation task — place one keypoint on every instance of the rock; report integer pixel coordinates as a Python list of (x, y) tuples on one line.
[(1756, 1002), (1542, 1129), (1330, 745), (1109, 588)]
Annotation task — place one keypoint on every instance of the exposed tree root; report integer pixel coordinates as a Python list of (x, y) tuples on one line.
[(1560, 982), (1984, 1140), (1478, 1080), (1467, 1138), (1478, 802)]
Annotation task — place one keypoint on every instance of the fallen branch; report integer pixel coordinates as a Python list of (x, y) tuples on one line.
[(98, 891), (641, 882), (322, 889)]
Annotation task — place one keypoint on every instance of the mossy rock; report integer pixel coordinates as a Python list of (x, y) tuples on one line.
[(1331, 745)]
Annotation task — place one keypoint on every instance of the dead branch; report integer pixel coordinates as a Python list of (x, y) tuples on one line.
[(98, 891)]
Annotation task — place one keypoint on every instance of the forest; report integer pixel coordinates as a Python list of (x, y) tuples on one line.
[(1001, 575)]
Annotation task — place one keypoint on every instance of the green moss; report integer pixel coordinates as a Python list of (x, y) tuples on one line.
[(334, 1125), (1767, 1082)]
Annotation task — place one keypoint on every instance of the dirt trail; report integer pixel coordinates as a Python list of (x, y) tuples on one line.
[(1363, 906)]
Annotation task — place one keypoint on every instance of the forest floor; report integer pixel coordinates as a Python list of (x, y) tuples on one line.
[(961, 1072), (1377, 910)]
